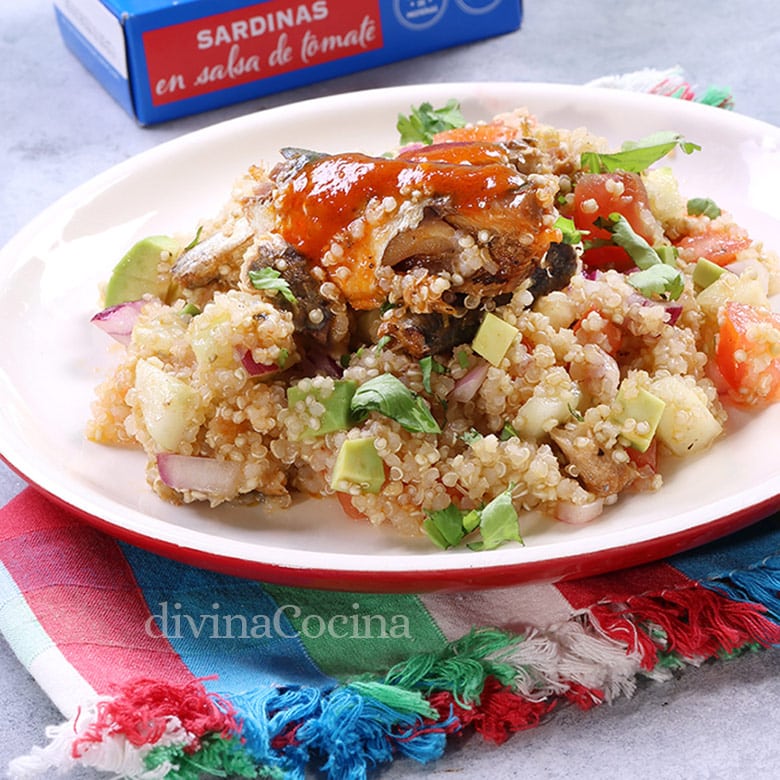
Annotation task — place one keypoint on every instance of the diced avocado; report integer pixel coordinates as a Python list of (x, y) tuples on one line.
[(168, 405), (138, 272), (643, 407), (336, 416), (494, 338), (705, 272), (358, 463)]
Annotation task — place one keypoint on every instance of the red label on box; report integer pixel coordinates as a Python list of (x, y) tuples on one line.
[(225, 50)]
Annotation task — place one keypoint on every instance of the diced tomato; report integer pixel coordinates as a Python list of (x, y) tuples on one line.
[(345, 499), (647, 461), (597, 195), (646, 464), (719, 244), (491, 132), (748, 353)]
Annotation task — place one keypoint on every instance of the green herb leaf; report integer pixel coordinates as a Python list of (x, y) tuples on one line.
[(428, 366), (570, 233), (470, 436), (190, 310), (463, 358), (284, 354), (382, 343), (668, 254), (623, 235), (445, 526), (425, 121), (508, 432), (655, 277), (498, 523), (637, 156), (471, 520), (271, 279), (662, 280), (703, 207), (389, 396), (195, 241), (387, 306)]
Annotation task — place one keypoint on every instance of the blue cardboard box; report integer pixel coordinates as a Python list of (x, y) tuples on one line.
[(163, 59)]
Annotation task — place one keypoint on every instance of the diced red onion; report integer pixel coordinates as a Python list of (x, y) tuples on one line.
[(253, 368), (320, 363), (590, 273), (118, 321), (466, 387), (578, 514), (204, 475), (674, 310)]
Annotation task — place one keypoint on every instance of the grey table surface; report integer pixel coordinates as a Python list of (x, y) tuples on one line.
[(59, 128)]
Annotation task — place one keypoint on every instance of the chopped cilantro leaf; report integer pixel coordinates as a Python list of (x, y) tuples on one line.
[(662, 280), (471, 520), (284, 354), (637, 156), (447, 525), (195, 241), (428, 366), (425, 121), (387, 306), (508, 432), (389, 396), (496, 522), (667, 253), (271, 279), (570, 233), (470, 436), (655, 277), (703, 207), (623, 235), (463, 358), (382, 343)]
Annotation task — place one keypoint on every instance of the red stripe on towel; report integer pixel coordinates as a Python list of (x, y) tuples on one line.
[(95, 595)]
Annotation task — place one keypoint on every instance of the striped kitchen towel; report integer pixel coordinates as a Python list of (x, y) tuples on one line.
[(164, 670)]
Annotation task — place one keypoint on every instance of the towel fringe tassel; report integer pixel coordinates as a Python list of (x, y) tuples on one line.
[(489, 681)]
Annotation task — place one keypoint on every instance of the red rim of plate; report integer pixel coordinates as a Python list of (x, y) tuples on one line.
[(424, 580)]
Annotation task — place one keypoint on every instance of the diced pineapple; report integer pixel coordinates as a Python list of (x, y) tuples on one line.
[(168, 406), (209, 336), (745, 288), (687, 425), (666, 203), (541, 413)]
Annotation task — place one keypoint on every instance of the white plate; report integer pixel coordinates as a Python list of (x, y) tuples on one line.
[(52, 357)]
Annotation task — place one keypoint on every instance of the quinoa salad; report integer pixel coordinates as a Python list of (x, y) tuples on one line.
[(493, 319)]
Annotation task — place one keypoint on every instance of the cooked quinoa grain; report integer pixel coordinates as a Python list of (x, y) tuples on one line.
[(333, 306)]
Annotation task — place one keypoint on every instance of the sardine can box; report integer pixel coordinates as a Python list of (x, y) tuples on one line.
[(163, 59)]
